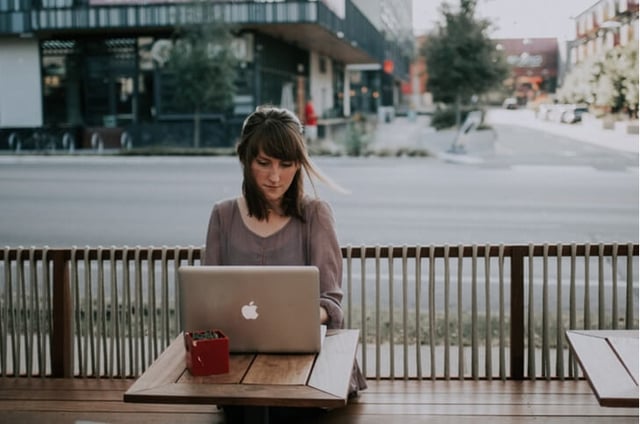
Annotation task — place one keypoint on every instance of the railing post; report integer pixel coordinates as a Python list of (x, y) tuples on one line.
[(516, 357), (61, 337)]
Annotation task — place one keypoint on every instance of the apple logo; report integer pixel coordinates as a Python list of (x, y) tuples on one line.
[(250, 311)]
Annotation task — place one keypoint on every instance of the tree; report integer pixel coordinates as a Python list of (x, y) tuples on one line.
[(203, 66), (617, 86), (462, 61), (607, 81), (578, 86)]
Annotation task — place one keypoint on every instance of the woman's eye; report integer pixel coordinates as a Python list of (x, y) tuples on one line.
[(286, 164), (262, 162)]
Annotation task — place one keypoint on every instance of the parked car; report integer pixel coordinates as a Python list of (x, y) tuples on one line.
[(566, 113), (573, 113), (510, 103)]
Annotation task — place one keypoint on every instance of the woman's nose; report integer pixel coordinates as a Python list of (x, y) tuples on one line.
[(274, 174)]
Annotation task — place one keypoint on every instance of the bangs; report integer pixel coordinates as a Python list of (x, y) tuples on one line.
[(276, 140)]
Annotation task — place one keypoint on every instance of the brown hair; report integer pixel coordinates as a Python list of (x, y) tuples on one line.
[(277, 133)]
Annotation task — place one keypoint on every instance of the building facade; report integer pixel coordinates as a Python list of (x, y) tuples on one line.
[(394, 20), (534, 66), (70, 69), (601, 27)]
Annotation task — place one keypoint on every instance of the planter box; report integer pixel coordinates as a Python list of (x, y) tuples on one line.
[(632, 127), (207, 352), (608, 124), (626, 127)]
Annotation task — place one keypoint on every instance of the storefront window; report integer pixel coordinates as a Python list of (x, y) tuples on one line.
[(92, 83), (60, 83)]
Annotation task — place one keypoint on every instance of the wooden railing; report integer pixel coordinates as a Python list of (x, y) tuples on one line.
[(463, 312)]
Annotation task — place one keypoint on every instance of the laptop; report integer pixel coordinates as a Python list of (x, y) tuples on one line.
[(261, 309)]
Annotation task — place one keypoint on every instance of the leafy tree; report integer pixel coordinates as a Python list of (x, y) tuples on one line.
[(462, 61), (578, 86), (203, 66), (609, 80), (618, 83), (630, 86)]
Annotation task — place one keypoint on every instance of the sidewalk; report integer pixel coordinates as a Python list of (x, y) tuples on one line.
[(404, 134), (588, 132)]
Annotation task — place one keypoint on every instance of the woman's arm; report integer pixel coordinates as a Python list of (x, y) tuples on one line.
[(324, 252)]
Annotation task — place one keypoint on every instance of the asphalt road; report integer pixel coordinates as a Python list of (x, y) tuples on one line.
[(522, 186)]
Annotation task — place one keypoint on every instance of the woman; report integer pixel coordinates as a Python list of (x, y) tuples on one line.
[(273, 222)]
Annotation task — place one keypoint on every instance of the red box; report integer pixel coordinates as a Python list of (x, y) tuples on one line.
[(207, 352)]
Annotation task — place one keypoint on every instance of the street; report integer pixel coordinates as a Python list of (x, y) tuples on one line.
[(522, 186)]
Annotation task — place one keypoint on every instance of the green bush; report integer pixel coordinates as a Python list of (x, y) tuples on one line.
[(446, 117)]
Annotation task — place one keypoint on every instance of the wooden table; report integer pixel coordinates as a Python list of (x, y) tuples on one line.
[(255, 380), (609, 359)]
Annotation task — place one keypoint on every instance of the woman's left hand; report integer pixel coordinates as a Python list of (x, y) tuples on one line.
[(324, 317)]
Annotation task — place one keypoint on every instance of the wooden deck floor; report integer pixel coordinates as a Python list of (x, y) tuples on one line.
[(33, 400)]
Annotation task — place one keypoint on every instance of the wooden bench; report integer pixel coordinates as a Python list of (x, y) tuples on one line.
[(85, 400)]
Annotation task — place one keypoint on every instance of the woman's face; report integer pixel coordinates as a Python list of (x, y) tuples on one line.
[(273, 176)]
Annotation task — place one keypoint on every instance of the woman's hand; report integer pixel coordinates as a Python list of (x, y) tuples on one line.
[(324, 317)]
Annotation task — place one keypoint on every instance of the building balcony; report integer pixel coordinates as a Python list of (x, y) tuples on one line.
[(310, 25)]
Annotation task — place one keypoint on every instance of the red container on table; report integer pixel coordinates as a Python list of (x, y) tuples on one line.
[(207, 352)]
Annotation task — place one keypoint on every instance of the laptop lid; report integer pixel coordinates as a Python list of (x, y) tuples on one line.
[(259, 308)]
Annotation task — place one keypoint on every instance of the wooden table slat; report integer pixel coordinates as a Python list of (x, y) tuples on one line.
[(280, 369), (332, 373), (239, 394), (605, 334), (609, 378), (627, 351), (168, 367), (238, 366)]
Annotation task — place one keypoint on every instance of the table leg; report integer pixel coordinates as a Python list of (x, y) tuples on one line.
[(256, 414), (238, 414)]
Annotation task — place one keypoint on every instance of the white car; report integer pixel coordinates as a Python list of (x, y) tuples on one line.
[(510, 103)]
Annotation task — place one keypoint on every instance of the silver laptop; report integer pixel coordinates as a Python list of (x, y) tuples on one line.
[(259, 308)]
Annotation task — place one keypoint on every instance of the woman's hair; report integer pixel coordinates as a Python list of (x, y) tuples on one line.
[(278, 133)]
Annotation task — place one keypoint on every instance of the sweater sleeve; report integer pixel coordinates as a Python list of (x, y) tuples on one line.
[(324, 253)]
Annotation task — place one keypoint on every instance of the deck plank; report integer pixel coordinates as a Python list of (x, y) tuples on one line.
[(146, 417), (33, 400)]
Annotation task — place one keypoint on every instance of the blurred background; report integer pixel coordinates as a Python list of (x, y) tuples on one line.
[(104, 74)]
